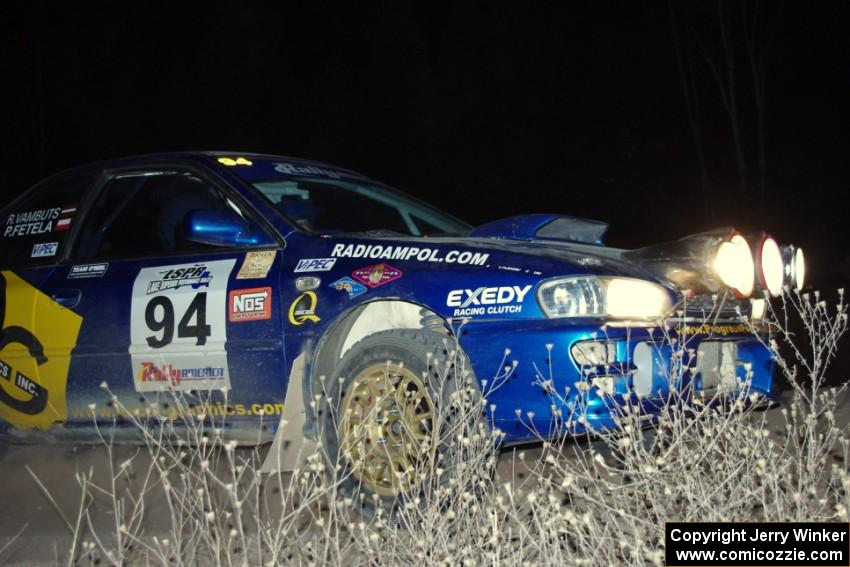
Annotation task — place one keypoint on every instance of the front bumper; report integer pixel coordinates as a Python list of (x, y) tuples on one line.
[(536, 389)]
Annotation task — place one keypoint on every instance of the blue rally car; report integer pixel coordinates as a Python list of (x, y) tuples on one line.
[(261, 279)]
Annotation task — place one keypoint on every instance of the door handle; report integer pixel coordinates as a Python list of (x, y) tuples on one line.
[(69, 298)]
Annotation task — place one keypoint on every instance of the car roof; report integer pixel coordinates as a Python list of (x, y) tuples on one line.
[(201, 157), (208, 157)]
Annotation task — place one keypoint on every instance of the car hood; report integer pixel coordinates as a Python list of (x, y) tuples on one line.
[(560, 245), (550, 245), (544, 227), (555, 257)]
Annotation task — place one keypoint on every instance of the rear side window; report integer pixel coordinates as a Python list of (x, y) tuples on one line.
[(35, 229)]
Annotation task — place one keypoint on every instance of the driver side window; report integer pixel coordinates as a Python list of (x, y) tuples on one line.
[(144, 214)]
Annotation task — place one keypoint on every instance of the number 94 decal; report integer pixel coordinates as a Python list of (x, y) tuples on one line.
[(178, 327), (193, 323)]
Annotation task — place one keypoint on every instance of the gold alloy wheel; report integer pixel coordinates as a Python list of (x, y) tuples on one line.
[(385, 427)]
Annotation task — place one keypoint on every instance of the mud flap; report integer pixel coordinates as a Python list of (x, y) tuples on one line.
[(290, 449)]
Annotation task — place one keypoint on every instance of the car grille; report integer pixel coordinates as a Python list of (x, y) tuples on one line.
[(709, 307)]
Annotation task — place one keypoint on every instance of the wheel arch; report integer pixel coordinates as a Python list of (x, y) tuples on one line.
[(351, 326), (360, 322)]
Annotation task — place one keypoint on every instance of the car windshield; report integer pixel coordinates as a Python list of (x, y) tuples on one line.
[(318, 202)]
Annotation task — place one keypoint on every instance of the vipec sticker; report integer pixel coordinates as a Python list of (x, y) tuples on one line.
[(315, 265), (377, 275), (44, 249), (88, 270), (348, 285)]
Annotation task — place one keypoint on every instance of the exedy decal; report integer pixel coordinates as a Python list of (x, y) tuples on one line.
[(487, 300), (378, 251), (303, 309), (36, 338)]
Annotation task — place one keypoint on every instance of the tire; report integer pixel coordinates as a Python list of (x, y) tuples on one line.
[(391, 412)]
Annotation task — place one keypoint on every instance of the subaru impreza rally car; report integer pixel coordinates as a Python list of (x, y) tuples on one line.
[(253, 277)]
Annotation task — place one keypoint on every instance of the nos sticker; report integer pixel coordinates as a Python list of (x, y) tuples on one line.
[(250, 305), (178, 327), (37, 336)]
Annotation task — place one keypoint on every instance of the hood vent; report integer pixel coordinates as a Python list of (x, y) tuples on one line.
[(544, 227)]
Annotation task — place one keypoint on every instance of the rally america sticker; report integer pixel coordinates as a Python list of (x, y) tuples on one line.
[(300, 169), (178, 327)]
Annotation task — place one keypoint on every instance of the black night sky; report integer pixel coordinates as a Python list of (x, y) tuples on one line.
[(484, 109)]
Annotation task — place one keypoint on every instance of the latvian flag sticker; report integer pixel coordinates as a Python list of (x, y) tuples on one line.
[(64, 221)]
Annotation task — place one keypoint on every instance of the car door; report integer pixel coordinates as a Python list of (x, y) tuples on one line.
[(38, 331), (163, 311)]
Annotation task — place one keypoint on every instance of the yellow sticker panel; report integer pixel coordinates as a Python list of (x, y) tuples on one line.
[(36, 340)]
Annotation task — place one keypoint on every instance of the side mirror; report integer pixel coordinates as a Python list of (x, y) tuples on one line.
[(222, 227)]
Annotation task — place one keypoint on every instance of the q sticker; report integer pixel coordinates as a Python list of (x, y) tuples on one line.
[(303, 309)]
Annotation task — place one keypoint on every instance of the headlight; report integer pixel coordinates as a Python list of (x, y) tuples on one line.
[(582, 296), (771, 271), (733, 263), (592, 296)]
